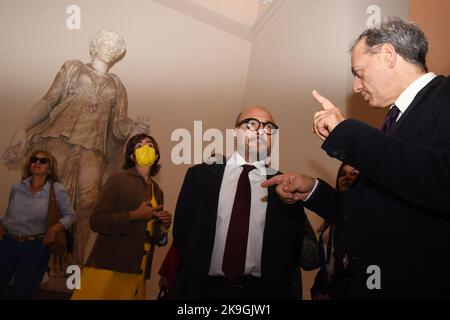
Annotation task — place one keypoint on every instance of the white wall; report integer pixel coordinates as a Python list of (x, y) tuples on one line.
[(244, 12)]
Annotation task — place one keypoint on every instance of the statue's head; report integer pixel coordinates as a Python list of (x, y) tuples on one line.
[(107, 46)]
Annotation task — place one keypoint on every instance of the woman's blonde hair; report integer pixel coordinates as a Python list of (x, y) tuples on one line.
[(52, 166)]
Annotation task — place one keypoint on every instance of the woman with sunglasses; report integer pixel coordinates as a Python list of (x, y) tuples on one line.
[(129, 219), (24, 236)]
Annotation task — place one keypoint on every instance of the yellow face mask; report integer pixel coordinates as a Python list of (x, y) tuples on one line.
[(145, 156)]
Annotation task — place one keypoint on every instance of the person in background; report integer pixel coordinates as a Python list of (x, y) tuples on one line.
[(24, 234), (331, 277), (167, 272), (129, 219)]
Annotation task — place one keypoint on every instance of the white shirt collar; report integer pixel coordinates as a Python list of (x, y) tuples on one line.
[(237, 160), (406, 97)]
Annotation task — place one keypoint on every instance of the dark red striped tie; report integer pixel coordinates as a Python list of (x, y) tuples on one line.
[(233, 265)]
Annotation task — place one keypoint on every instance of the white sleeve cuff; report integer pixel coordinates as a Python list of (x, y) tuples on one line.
[(312, 191)]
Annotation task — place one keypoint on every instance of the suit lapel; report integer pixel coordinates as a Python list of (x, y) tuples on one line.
[(415, 104), (213, 181), (270, 218), (271, 192)]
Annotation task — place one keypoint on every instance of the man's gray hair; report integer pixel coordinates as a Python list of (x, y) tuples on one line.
[(406, 37)]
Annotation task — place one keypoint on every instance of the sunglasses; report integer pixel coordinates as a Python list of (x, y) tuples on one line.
[(35, 159)]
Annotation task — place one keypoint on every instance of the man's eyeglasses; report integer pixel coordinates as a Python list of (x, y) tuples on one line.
[(35, 159), (254, 125)]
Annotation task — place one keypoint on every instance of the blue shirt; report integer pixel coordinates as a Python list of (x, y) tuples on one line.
[(27, 213)]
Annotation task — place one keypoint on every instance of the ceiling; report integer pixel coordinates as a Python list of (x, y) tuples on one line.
[(243, 18)]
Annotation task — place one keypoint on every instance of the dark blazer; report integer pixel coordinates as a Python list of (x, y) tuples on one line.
[(194, 233), (397, 216), (120, 242)]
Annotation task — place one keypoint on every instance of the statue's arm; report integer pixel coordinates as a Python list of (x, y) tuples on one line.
[(39, 112)]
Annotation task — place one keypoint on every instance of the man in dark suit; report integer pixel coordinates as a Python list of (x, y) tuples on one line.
[(395, 221), (237, 240)]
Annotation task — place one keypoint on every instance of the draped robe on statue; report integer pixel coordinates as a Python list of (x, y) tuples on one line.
[(86, 131)]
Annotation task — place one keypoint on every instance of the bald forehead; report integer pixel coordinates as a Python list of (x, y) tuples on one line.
[(259, 113)]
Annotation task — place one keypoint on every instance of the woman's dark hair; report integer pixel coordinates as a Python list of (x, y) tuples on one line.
[(129, 153), (339, 174), (52, 166)]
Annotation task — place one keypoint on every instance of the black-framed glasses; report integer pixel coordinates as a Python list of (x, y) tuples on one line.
[(252, 124), (35, 159)]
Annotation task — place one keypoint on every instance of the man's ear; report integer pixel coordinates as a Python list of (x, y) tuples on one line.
[(389, 55)]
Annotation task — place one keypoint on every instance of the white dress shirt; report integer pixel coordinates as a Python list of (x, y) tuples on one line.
[(257, 222), (406, 97)]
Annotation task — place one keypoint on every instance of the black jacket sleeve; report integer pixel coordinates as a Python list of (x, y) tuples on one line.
[(418, 174), (182, 212), (326, 201)]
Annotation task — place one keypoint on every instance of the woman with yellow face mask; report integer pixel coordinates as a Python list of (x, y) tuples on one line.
[(129, 219)]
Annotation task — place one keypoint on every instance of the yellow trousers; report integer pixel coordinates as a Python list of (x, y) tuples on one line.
[(101, 284)]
